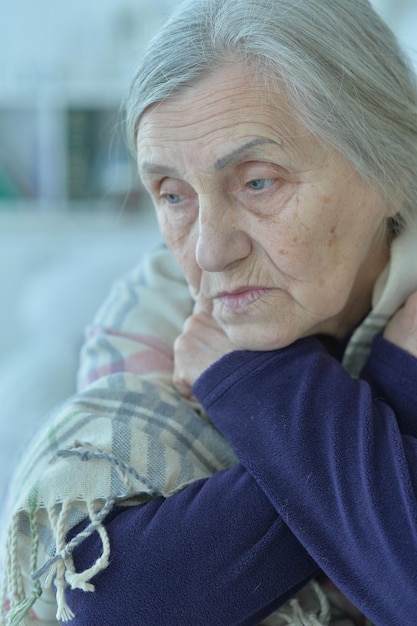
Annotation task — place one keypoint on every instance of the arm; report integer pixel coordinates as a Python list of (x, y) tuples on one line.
[(215, 553), (391, 372), (334, 461)]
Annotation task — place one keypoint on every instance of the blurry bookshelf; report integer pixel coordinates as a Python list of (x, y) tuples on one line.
[(98, 163), (63, 79), (65, 151)]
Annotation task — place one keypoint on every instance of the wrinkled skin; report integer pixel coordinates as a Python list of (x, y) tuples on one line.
[(203, 342), (277, 234)]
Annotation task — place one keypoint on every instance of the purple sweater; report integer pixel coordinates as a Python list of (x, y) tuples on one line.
[(335, 458)]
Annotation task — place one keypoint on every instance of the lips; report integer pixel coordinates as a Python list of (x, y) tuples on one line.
[(242, 298)]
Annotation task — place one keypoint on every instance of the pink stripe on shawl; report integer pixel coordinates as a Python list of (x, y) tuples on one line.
[(154, 356)]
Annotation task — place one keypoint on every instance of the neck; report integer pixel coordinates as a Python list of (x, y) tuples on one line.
[(360, 299)]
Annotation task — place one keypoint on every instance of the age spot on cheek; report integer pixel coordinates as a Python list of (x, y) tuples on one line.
[(332, 237)]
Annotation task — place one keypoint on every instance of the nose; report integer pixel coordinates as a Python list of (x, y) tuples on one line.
[(222, 238)]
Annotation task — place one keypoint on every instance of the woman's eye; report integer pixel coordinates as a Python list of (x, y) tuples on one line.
[(172, 198), (260, 183)]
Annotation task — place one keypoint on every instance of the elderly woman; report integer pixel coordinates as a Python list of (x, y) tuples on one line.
[(278, 141)]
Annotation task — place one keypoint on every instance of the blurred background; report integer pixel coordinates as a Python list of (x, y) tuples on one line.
[(73, 215)]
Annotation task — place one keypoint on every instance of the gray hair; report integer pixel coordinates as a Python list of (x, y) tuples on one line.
[(341, 66)]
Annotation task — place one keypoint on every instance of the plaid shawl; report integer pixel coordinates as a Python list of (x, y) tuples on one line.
[(127, 436)]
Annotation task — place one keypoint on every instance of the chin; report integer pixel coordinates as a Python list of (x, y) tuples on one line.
[(258, 341)]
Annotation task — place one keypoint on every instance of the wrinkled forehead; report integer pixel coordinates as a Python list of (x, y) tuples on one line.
[(227, 91), (220, 116)]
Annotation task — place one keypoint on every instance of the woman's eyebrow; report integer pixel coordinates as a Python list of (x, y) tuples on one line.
[(147, 167), (153, 168), (237, 154)]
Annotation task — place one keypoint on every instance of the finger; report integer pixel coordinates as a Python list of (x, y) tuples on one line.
[(181, 386), (203, 305)]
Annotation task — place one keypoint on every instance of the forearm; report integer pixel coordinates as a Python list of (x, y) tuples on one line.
[(392, 374), (332, 460), (214, 553)]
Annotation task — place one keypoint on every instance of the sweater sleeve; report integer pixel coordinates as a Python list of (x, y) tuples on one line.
[(392, 373), (333, 457), (214, 553)]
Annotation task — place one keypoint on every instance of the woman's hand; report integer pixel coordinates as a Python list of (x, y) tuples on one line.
[(201, 344), (402, 328)]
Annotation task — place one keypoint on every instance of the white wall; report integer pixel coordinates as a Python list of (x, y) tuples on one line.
[(47, 40), (401, 15), (58, 39)]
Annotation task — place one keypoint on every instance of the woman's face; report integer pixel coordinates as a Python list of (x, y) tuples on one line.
[(270, 225)]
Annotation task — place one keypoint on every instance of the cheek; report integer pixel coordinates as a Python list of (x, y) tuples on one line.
[(294, 245), (192, 272), (308, 252), (182, 241)]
